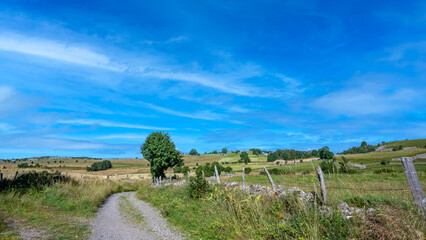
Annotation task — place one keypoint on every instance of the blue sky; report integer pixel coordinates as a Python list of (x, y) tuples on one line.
[(94, 78)]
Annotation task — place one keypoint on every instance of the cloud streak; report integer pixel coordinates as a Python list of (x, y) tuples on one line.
[(56, 50), (104, 123)]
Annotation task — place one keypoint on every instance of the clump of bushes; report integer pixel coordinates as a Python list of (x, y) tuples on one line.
[(99, 166), (328, 166), (26, 165), (33, 180), (247, 170), (397, 148), (198, 186), (209, 169), (385, 170), (384, 162), (278, 171)]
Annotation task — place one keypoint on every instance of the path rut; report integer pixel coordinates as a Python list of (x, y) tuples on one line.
[(112, 222)]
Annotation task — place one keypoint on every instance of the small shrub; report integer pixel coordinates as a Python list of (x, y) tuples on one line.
[(328, 166), (385, 170), (384, 162), (198, 186), (247, 170), (278, 171)]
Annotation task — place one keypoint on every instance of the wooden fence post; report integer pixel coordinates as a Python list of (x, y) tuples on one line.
[(16, 175), (217, 174), (322, 184), (170, 177), (270, 179), (1, 176), (188, 175), (414, 183), (203, 174), (244, 184), (160, 180)]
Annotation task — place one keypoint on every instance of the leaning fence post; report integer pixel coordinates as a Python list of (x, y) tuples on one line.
[(270, 179), (414, 183), (322, 184), (16, 175), (170, 177), (244, 184), (217, 174)]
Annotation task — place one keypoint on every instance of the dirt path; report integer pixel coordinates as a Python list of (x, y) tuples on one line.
[(122, 216)]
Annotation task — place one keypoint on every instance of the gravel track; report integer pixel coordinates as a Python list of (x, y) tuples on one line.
[(112, 223)]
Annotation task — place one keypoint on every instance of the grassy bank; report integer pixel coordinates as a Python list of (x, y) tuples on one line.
[(60, 211), (229, 214)]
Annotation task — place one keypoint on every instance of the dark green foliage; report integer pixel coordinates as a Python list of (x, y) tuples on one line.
[(214, 152), (227, 169), (209, 169), (177, 169), (185, 170), (256, 151), (279, 171), (325, 153), (244, 157), (384, 170), (198, 187), (193, 152), (384, 162), (364, 148), (161, 152), (26, 165), (33, 180), (328, 166), (288, 154), (247, 170), (397, 148), (99, 166), (224, 150)]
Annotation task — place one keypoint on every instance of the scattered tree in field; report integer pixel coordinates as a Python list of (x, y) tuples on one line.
[(397, 148), (224, 150), (244, 157), (161, 152), (325, 153), (256, 151), (247, 170), (99, 166), (227, 169), (214, 152), (193, 152)]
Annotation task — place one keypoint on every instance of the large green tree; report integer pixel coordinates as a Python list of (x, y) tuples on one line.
[(244, 157), (193, 152), (161, 152), (325, 153)]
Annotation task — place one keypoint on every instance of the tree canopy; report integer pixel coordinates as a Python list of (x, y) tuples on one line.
[(224, 150), (325, 153), (244, 157), (161, 152), (193, 152)]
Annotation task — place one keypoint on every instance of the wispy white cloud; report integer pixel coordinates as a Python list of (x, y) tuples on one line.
[(367, 99), (122, 136), (61, 51), (104, 123)]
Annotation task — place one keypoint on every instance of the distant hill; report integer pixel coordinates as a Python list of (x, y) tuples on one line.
[(420, 143)]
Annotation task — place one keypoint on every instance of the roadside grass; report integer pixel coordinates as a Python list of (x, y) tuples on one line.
[(420, 143), (373, 157), (233, 214), (62, 211)]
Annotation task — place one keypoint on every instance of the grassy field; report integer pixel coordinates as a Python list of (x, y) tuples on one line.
[(420, 143), (377, 157)]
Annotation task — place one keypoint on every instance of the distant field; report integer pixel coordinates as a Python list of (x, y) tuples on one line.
[(420, 143), (234, 157), (373, 157)]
